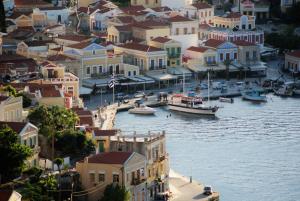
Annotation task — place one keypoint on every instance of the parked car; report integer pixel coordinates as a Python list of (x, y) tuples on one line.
[(120, 96), (217, 85), (207, 190), (203, 86)]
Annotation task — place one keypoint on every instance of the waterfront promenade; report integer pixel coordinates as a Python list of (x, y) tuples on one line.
[(183, 190)]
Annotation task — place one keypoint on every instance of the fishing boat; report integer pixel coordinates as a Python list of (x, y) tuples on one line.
[(226, 100), (142, 109), (191, 103), (253, 95)]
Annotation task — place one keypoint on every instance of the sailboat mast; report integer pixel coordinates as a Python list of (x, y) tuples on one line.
[(208, 86), (183, 82)]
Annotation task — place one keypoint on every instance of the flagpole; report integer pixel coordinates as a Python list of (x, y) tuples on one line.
[(113, 90)]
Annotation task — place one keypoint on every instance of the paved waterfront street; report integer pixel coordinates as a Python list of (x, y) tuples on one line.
[(183, 190)]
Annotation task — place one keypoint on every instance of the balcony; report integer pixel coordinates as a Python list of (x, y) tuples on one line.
[(210, 63), (171, 56), (158, 67)]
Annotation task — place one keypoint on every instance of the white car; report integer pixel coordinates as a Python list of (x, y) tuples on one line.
[(139, 94)]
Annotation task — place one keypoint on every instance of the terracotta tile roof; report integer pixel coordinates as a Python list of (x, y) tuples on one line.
[(126, 19), (36, 43), (204, 26), (152, 23), (52, 8), (22, 33), (243, 43), (161, 39), (124, 28), (53, 26), (213, 43), (80, 45), (78, 38), (20, 3), (100, 133), (161, 9), (82, 112), (201, 5), (132, 8), (295, 53), (18, 63), (86, 121), (179, 18), (50, 92), (233, 15), (60, 57), (110, 158), (15, 126), (140, 47), (57, 49), (198, 49)]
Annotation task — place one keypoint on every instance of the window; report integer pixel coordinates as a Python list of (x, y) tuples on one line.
[(152, 64), (129, 73), (25, 142), (185, 30), (221, 57), (178, 62), (88, 70), (134, 73), (209, 13), (249, 26), (117, 69), (100, 69), (160, 63), (92, 177), (205, 13), (193, 30), (235, 55), (142, 63), (94, 69), (101, 177), (177, 31), (178, 50), (254, 54), (94, 52), (247, 55), (115, 178)]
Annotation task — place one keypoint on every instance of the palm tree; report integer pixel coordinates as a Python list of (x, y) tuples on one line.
[(227, 63), (58, 162)]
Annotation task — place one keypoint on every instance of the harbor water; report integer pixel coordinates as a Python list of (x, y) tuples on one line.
[(249, 152)]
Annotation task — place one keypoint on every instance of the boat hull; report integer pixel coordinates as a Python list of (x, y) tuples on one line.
[(199, 111), (142, 112)]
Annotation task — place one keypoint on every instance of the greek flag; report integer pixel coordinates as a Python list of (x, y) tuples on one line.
[(112, 81)]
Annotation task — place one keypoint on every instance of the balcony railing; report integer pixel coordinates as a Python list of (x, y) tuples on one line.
[(174, 55), (157, 67), (211, 63)]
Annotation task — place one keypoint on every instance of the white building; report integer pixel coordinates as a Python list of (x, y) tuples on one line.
[(201, 11), (184, 30), (54, 15)]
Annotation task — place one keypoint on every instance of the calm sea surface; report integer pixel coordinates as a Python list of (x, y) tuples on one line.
[(250, 152)]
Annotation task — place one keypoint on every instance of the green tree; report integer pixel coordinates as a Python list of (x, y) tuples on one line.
[(115, 193), (227, 63), (2, 18), (58, 162), (12, 155), (13, 92)]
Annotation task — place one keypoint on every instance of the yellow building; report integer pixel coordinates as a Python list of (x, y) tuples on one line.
[(248, 53), (124, 168), (95, 59), (235, 20), (146, 3), (172, 47), (144, 56), (153, 147), (11, 108), (145, 32)]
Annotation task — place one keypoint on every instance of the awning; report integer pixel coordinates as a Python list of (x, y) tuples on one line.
[(161, 76), (85, 91)]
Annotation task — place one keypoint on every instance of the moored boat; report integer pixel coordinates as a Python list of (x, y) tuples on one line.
[(283, 91), (192, 105), (142, 109), (253, 95), (226, 100)]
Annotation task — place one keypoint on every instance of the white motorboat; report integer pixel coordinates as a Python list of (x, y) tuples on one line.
[(142, 109), (193, 105), (283, 91), (254, 96), (226, 100)]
